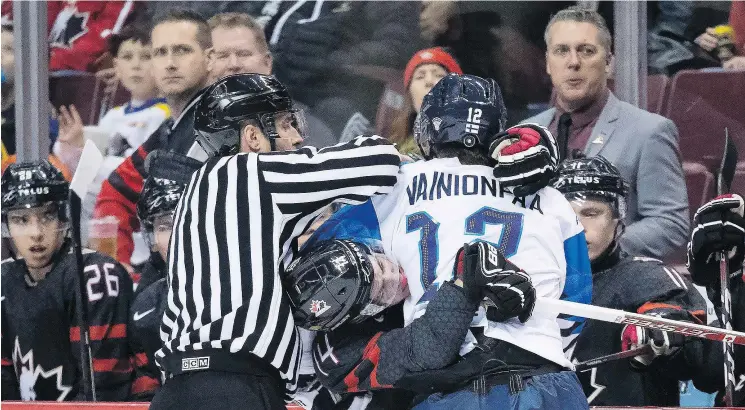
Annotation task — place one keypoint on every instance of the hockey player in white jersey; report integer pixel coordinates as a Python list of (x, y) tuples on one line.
[(438, 205)]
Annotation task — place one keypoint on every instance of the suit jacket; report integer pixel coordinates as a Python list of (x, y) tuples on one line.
[(644, 147)]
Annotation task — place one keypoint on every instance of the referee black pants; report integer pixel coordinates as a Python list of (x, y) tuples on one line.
[(211, 389)]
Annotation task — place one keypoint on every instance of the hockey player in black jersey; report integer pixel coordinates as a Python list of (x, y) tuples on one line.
[(40, 334), (168, 174), (719, 226), (621, 281)]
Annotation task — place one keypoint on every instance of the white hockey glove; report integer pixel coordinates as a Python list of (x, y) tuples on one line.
[(527, 158)]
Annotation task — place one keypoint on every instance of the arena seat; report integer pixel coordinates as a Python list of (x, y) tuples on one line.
[(105, 101), (700, 186), (738, 182), (699, 183), (657, 87), (73, 87), (702, 104)]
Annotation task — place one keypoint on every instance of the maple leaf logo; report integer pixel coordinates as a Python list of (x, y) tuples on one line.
[(28, 375), (319, 307)]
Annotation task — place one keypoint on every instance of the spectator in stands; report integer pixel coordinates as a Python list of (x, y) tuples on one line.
[(239, 46), (589, 120), (318, 45), (422, 72), (180, 42), (709, 40), (8, 131), (78, 30), (7, 102)]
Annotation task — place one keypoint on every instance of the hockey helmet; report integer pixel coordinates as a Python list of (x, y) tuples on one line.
[(463, 109), (159, 196), (34, 184), (334, 282), (169, 173), (593, 178), (234, 99)]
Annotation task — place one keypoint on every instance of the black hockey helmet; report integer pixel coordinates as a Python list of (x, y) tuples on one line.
[(463, 109), (330, 284), (233, 99), (168, 175), (33, 184), (159, 196), (592, 178)]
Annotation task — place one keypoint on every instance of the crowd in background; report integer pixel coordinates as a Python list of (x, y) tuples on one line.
[(364, 67)]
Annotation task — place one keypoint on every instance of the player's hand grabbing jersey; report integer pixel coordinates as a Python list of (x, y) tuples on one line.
[(40, 333), (238, 218)]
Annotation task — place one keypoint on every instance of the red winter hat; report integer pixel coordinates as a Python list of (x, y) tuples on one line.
[(435, 55)]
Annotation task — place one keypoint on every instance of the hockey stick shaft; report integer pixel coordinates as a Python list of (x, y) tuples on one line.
[(724, 182), (554, 306), (88, 166), (627, 354), (729, 362)]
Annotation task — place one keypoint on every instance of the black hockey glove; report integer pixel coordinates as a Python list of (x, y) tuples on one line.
[(717, 226), (486, 273), (662, 343), (527, 158)]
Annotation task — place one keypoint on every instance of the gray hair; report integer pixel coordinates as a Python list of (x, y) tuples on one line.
[(583, 15)]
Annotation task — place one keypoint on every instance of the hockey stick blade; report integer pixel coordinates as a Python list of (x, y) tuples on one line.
[(728, 166), (627, 354), (553, 307), (88, 166)]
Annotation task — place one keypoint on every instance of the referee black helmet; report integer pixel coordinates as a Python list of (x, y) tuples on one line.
[(229, 103)]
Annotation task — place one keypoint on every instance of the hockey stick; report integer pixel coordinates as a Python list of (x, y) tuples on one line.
[(724, 181), (90, 162), (555, 306), (627, 354)]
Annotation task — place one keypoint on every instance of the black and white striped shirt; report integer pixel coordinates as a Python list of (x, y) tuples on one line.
[(238, 219)]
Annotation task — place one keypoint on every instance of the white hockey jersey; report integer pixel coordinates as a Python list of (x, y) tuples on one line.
[(129, 126), (439, 205)]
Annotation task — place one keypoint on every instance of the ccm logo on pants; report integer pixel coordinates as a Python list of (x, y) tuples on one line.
[(195, 363)]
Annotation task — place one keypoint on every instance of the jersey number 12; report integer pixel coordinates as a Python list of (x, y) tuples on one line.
[(508, 242)]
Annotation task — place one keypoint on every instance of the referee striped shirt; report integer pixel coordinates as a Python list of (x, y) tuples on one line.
[(238, 219)]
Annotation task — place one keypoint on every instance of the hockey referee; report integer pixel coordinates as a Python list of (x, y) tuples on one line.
[(229, 339)]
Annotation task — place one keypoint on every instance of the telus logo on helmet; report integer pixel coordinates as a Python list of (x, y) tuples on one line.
[(33, 191), (586, 180)]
